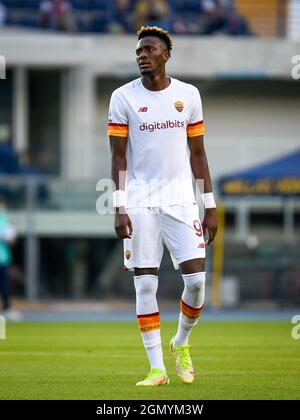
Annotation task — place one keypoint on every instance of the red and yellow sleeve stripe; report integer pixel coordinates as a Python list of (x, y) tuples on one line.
[(189, 311), (149, 322), (196, 129), (119, 130)]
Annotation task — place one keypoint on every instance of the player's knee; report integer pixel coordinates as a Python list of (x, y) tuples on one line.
[(146, 284), (195, 283)]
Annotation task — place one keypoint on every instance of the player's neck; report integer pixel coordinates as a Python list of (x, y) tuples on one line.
[(156, 82)]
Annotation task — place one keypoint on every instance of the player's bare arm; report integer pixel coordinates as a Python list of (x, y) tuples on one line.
[(123, 226), (200, 170)]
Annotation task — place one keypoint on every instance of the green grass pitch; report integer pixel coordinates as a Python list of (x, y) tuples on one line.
[(102, 361)]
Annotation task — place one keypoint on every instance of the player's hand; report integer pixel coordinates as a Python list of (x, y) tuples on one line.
[(210, 224), (123, 226)]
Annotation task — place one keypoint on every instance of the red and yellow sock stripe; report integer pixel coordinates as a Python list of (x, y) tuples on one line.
[(149, 322), (189, 311)]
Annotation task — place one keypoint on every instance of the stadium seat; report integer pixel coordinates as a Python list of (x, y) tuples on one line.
[(8, 159), (31, 4), (81, 4), (192, 6), (12, 3), (29, 20), (100, 4), (98, 25), (83, 21)]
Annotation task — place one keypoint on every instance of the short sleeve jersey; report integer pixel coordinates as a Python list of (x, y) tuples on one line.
[(157, 125)]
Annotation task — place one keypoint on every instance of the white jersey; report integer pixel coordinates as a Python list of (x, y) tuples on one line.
[(157, 124)]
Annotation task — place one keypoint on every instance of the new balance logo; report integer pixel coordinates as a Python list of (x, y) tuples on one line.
[(143, 109)]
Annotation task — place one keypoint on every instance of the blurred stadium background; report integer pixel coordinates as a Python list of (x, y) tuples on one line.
[(63, 60)]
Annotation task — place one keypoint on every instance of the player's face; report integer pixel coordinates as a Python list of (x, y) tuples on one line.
[(151, 55)]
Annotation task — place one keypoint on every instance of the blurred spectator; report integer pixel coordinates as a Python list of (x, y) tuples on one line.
[(195, 17), (7, 238), (152, 12), (186, 16), (123, 17), (213, 19), (236, 24), (221, 17), (2, 14), (57, 14)]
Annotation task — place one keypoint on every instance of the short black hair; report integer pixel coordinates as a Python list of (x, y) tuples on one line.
[(158, 32)]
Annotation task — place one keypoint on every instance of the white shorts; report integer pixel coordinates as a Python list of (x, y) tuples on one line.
[(177, 226)]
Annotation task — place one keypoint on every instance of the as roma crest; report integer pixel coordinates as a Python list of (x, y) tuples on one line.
[(179, 105), (127, 254)]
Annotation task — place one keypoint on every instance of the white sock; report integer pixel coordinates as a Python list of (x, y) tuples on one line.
[(148, 318), (191, 305)]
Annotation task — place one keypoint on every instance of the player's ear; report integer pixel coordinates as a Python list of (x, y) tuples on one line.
[(166, 55)]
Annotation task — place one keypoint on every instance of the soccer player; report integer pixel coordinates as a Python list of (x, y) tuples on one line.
[(156, 136)]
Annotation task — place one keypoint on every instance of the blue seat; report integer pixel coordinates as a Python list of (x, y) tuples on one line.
[(100, 4), (12, 3), (32, 4), (8, 159), (98, 25), (83, 24), (29, 21), (186, 6), (81, 4), (9, 164)]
